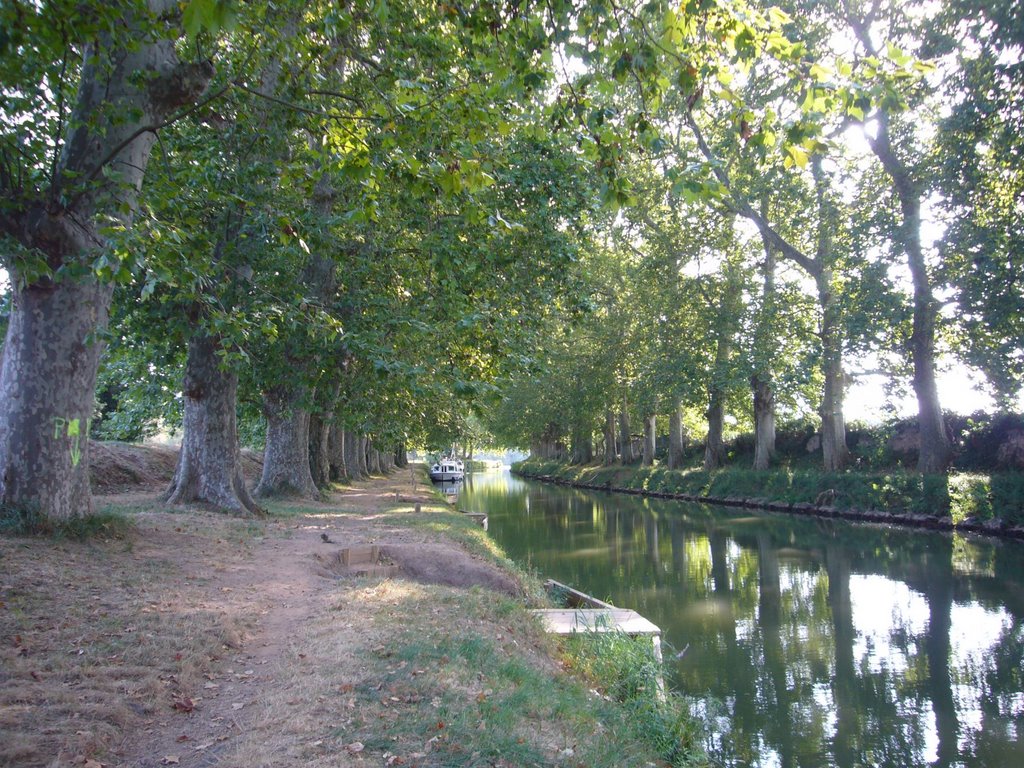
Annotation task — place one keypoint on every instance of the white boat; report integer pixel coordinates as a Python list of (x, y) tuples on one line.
[(446, 470)]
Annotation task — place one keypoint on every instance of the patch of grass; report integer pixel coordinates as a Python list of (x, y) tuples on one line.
[(625, 669), (104, 524)]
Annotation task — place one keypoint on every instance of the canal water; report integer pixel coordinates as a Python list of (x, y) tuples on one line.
[(798, 641)]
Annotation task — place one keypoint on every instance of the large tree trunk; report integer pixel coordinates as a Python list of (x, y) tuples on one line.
[(372, 467), (582, 446), (835, 454), (626, 441), (610, 453), (209, 467), (46, 397), (764, 422), (129, 81), (364, 469), (319, 456), (353, 445), (714, 447), (338, 471), (286, 457), (936, 450), (676, 438), (765, 341), (320, 438), (650, 440)]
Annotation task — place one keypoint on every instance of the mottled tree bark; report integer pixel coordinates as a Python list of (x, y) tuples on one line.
[(286, 457), (610, 454), (401, 458), (764, 422), (364, 470), (372, 465), (626, 441), (130, 83), (676, 438), (650, 440), (835, 454), (337, 469), (761, 381), (209, 469), (582, 445), (714, 447), (353, 443), (319, 460), (936, 451)]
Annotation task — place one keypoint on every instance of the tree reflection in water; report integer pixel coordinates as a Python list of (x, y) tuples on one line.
[(808, 642)]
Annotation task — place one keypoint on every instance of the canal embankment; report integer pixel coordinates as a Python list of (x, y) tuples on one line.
[(991, 504)]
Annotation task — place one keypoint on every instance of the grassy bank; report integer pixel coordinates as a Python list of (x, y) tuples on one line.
[(992, 503)]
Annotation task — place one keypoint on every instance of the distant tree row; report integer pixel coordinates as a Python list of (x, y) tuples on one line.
[(841, 185)]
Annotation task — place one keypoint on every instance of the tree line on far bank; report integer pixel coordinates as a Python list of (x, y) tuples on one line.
[(739, 286)]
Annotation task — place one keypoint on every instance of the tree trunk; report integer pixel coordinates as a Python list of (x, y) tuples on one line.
[(609, 438), (337, 470), (676, 438), (764, 422), (372, 466), (320, 427), (286, 457), (936, 450), (129, 80), (356, 467), (47, 381), (401, 460), (209, 469), (624, 435), (364, 469), (319, 456), (835, 454), (582, 446), (650, 440), (765, 348), (714, 447)]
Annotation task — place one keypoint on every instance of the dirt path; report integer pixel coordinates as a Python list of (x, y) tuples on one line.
[(191, 637), (274, 591)]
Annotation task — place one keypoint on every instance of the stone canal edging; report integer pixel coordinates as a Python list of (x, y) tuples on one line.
[(992, 527)]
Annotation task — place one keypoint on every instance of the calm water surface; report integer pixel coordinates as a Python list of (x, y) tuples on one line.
[(802, 642)]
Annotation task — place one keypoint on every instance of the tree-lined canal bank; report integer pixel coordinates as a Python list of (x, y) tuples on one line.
[(991, 504), (801, 641)]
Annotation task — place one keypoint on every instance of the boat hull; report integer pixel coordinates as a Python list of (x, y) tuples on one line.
[(446, 477)]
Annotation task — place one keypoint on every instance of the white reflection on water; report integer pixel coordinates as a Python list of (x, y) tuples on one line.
[(974, 632), (882, 611)]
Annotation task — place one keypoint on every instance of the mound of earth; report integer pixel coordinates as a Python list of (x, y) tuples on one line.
[(420, 562), (116, 467)]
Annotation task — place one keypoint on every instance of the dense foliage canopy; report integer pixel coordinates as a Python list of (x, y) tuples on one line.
[(400, 223)]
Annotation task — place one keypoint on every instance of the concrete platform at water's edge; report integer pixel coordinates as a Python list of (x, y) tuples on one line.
[(568, 621)]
